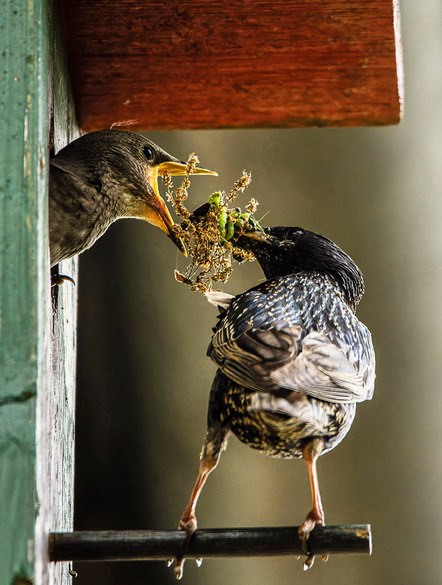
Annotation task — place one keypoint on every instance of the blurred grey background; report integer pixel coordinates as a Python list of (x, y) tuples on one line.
[(143, 378)]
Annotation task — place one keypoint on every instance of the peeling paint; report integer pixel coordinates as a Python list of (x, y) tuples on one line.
[(24, 44)]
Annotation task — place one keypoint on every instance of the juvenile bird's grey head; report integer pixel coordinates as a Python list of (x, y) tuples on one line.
[(103, 176)]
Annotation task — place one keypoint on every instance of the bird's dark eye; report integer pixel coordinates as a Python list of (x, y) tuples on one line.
[(149, 153)]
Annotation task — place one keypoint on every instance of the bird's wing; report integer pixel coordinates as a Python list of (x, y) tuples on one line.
[(266, 346), (250, 341), (330, 369)]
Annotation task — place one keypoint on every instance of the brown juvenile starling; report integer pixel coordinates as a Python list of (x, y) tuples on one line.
[(104, 176), (293, 360)]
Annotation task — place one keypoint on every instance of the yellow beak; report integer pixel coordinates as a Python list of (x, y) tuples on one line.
[(178, 169)]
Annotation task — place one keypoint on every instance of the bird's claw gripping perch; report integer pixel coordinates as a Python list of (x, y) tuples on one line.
[(308, 561), (304, 533), (314, 518), (179, 567), (188, 524)]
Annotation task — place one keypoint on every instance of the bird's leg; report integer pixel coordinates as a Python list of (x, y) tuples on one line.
[(188, 520), (214, 443), (315, 517)]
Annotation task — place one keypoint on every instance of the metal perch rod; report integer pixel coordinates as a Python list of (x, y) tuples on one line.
[(139, 545)]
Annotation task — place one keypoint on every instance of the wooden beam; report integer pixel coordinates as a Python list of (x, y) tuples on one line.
[(137, 545), (261, 63)]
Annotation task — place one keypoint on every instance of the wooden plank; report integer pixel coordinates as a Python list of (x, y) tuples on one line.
[(35, 479), (202, 64), (55, 435), (56, 404), (23, 265)]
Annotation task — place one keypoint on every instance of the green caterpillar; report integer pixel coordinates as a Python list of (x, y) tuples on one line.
[(231, 222)]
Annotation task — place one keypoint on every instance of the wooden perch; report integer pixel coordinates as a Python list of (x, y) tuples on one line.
[(142, 545)]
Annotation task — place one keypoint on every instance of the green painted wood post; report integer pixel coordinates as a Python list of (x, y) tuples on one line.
[(37, 346)]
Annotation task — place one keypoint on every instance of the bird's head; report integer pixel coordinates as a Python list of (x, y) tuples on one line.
[(124, 167), (286, 250)]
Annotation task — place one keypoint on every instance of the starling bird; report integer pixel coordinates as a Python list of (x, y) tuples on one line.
[(104, 176), (293, 360)]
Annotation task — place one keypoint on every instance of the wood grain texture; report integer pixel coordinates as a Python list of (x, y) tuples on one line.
[(200, 64), (56, 399)]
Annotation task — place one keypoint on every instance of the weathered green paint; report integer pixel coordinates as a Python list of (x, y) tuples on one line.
[(24, 43), (30, 368)]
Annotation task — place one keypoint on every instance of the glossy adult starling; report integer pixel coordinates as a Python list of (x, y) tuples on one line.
[(104, 176), (293, 360)]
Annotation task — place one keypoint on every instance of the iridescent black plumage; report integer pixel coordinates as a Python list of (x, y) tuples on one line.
[(293, 358)]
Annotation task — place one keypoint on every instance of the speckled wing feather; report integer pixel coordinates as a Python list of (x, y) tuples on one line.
[(297, 333)]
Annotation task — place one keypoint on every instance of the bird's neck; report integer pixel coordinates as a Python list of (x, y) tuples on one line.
[(342, 270)]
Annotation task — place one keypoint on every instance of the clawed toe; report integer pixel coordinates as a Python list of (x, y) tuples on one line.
[(57, 279), (188, 524), (308, 562), (179, 568), (313, 519)]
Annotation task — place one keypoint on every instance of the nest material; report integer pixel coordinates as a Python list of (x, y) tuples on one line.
[(210, 233)]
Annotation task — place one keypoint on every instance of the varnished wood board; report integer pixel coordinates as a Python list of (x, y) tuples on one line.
[(200, 64)]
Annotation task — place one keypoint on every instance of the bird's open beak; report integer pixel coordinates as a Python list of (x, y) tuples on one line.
[(157, 212), (158, 215)]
